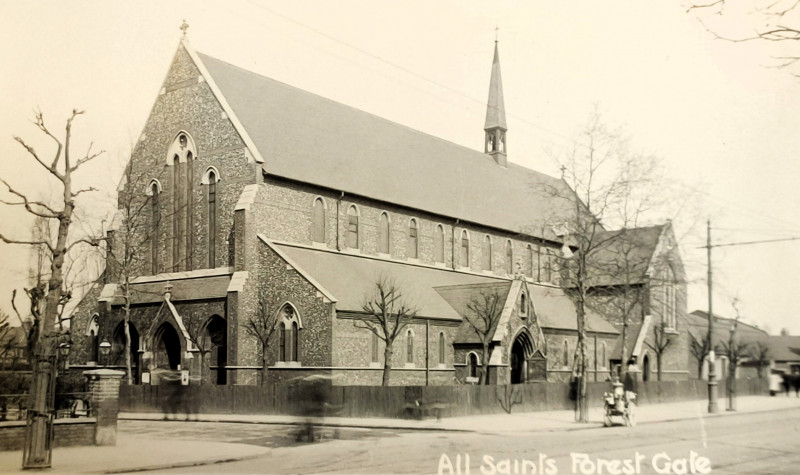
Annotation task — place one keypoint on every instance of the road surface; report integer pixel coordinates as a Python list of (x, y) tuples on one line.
[(758, 443)]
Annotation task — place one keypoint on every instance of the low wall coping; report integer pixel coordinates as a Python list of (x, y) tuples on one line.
[(104, 373)]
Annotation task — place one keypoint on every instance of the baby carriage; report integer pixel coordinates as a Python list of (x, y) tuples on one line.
[(619, 403)]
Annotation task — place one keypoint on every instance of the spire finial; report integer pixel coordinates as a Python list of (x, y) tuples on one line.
[(496, 29), (184, 27)]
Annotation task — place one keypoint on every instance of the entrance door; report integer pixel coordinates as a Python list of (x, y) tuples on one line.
[(168, 347)]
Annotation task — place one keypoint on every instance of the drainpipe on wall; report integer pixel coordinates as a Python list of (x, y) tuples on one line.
[(595, 357), (338, 210), (453, 246), (427, 352)]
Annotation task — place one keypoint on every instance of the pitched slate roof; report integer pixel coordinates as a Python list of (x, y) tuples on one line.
[(351, 278), (784, 348), (308, 138), (623, 256), (698, 327)]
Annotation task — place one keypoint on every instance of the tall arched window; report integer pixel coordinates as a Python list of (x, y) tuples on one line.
[(384, 233), (180, 157), (318, 221), (509, 258), (486, 250), (295, 341), (603, 360), (547, 271), (441, 348), (413, 239), (670, 300), (464, 249), (189, 210), (374, 348), (409, 347), (282, 337), (289, 334), (177, 208), (472, 365), (438, 244), (352, 227), (212, 219), (530, 258), (155, 231), (565, 355)]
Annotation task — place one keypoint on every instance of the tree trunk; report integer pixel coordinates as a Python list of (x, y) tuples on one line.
[(658, 364), (485, 364), (624, 362), (387, 363), (128, 349), (264, 365)]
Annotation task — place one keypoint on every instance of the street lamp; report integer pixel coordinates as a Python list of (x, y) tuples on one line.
[(105, 349), (63, 353)]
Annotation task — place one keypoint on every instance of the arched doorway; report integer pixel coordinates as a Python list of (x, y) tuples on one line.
[(521, 350), (646, 368), (118, 348), (217, 333), (167, 354)]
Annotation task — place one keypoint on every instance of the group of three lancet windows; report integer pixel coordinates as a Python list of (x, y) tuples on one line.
[(179, 216)]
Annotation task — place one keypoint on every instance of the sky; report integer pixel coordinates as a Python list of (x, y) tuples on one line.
[(719, 115)]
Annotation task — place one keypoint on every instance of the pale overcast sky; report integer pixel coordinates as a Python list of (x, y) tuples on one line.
[(723, 121)]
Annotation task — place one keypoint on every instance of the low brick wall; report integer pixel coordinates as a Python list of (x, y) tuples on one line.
[(398, 401), (67, 433)]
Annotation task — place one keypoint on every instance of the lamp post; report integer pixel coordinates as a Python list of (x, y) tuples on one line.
[(712, 382), (733, 360), (105, 349)]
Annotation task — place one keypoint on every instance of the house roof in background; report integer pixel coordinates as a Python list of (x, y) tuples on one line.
[(308, 138), (784, 348)]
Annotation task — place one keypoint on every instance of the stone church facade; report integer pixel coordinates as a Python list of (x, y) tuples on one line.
[(255, 200)]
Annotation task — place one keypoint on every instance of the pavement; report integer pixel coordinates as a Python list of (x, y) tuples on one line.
[(136, 453)]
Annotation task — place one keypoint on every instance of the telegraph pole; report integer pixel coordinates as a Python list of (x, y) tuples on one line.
[(712, 383)]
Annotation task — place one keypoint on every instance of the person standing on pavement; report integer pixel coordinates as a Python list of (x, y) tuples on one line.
[(631, 383)]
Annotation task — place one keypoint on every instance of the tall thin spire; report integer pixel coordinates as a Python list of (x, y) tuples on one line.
[(495, 110), (495, 127)]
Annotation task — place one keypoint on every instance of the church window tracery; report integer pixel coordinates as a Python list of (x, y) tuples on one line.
[(352, 227)]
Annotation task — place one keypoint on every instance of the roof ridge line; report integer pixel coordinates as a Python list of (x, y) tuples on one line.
[(372, 114)]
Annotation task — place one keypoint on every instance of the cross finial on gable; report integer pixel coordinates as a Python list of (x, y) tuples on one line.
[(563, 171), (184, 27)]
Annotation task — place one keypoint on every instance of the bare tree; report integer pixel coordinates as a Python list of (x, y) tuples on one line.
[(775, 22), (60, 169), (759, 354), (699, 347), (133, 242), (483, 316), (388, 313), (661, 341), (261, 326), (606, 182)]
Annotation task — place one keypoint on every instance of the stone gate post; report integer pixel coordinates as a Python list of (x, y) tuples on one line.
[(104, 403)]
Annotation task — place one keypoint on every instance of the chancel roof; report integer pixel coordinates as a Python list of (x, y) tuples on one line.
[(307, 138), (622, 257)]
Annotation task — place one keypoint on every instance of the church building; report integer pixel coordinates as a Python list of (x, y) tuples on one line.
[(263, 202)]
